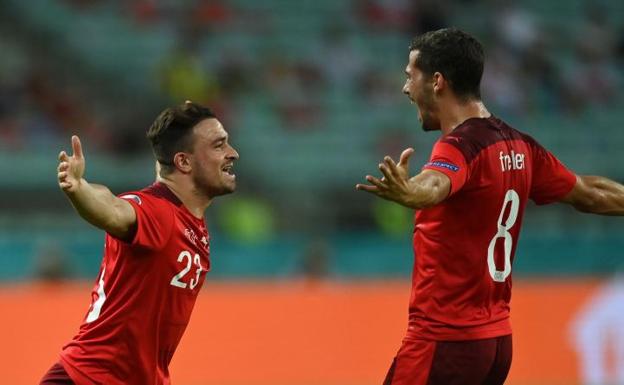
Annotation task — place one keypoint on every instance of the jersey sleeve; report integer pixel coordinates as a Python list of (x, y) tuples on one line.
[(448, 160), (551, 179), (155, 219)]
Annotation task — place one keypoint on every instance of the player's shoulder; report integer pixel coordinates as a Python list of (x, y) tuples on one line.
[(476, 134), (157, 193), (484, 131)]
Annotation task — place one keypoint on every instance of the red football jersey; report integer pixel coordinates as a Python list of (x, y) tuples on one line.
[(464, 247), (143, 297)]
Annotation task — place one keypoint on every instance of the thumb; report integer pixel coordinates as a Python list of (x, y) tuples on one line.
[(77, 147), (405, 155)]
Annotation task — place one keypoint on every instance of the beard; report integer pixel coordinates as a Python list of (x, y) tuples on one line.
[(211, 188), (426, 106), (429, 123)]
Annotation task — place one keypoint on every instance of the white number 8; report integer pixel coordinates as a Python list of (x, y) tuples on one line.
[(503, 232)]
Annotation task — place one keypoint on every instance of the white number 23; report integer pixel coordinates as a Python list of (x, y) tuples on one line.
[(175, 281)]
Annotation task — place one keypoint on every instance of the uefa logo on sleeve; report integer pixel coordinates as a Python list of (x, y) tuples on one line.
[(135, 198)]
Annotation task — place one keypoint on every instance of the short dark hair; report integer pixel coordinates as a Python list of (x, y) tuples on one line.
[(456, 55), (171, 131)]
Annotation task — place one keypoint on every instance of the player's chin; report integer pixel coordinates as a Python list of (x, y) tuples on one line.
[(429, 124), (230, 188), (229, 185), (222, 190), (427, 128)]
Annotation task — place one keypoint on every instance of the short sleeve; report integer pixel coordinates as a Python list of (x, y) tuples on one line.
[(155, 219), (551, 179), (448, 160)]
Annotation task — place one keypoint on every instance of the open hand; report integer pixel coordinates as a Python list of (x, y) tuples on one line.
[(394, 184), (71, 168)]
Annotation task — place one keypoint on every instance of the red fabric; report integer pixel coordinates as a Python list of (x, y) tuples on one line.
[(56, 376), (551, 180), (450, 161), (412, 363), (454, 292), (476, 362), (145, 308)]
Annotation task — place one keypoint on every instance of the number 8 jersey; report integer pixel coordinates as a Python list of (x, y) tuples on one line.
[(143, 297), (464, 246)]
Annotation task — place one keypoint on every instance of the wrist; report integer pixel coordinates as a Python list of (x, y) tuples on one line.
[(77, 187), (410, 199)]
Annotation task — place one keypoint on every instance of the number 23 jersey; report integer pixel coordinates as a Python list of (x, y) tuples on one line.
[(464, 247), (143, 297)]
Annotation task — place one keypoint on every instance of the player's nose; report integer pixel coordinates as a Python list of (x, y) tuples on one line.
[(233, 154)]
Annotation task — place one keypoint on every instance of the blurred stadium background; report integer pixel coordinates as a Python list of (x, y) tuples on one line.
[(310, 280)]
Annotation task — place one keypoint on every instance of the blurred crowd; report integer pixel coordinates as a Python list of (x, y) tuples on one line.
[(310, 92), (534, 64)]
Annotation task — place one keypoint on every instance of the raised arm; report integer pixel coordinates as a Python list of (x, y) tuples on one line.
[(95, 203), (424, 190), (596, 195)]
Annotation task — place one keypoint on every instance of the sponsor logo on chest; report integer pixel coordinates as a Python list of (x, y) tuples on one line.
[(512, 161)]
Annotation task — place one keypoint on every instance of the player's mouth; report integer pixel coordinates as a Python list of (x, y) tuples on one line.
[(228, 169)]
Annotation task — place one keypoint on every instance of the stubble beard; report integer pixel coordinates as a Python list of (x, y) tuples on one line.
[(429, 124), (209, 190), (425, 107)]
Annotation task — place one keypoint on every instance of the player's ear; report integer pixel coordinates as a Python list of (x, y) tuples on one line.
[(439, 82), (182, 162)]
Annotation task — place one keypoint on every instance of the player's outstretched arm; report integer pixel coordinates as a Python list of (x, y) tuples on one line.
[(95, 203), (424, 190), (596, 195)]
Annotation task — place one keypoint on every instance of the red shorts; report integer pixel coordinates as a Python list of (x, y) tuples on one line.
[(56, 376), (478, 362)]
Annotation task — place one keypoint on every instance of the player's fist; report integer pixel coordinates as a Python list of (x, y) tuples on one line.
[(71, 168)]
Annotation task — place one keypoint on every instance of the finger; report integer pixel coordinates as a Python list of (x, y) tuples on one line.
[(392, 167), (63, 166), (389, 161), (372, 190), (367, 188), (62, 175), (65, 185), (405, 155), (377, 182), (77, 147), (388, 176), (63, 156)]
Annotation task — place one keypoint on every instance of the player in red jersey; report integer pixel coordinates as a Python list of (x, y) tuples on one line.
[(156, 252), (470, 199)]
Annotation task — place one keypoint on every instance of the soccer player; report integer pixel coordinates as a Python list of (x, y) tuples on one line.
[(156, 252), (470, 199)]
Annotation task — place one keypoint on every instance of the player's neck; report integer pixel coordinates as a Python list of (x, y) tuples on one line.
[(455, 113), (185, 191)]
